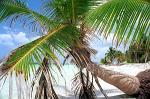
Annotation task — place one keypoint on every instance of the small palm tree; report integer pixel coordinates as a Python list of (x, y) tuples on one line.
[(66, 26), (120, 57), (104, 61), (113, 55), (110, 55)]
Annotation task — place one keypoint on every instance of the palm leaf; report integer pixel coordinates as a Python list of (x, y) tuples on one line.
[(23, 59), (82, 86), (127, 19), (18, 10), (68, 11)]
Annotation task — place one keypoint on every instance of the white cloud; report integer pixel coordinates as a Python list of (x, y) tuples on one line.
[(14, 40), (20, 38), (34, 38), (6, 28), (101, 45), (6, 39)]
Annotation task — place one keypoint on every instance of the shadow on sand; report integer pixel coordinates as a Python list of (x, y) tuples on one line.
[(100, 95)]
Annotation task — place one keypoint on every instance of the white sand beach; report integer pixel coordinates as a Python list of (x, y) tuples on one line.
[(64, 90)]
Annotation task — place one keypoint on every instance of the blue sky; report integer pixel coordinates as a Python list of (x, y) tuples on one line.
[(12, 37)]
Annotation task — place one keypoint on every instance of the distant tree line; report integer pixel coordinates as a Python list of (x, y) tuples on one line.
[(137, 53)]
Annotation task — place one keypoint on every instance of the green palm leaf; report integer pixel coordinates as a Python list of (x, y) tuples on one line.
[(68, 11), (17, 10), (23, 59), (127, 19)]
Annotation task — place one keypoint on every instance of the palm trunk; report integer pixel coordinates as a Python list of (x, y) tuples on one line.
[(126, 83)]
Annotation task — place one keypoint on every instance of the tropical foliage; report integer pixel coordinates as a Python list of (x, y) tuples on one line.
[(113, 56), (66, 26), (138, 53)]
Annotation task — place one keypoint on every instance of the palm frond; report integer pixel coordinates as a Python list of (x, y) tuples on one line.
[(147, 1), (18, 10), (68, 11), (100, 87), (23, 59), (82, 86), (65, 59), (127, 19), (45, 88)]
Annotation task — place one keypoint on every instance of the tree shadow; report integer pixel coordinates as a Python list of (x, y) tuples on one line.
[(100, 95)]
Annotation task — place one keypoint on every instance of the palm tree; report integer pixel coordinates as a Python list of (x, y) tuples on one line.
[(104, 61), (66, 26), (139, 53), (113, 55), (110, 55), (120, 57)]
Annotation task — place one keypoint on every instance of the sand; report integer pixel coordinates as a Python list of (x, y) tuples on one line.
[(64, 90)]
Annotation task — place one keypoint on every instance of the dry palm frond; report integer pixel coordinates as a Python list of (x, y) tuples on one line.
[(101, 89), (83, 87), (65, 59), (45, 88)]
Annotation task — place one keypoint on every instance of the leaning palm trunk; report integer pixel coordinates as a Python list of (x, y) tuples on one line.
[(126, 83)]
